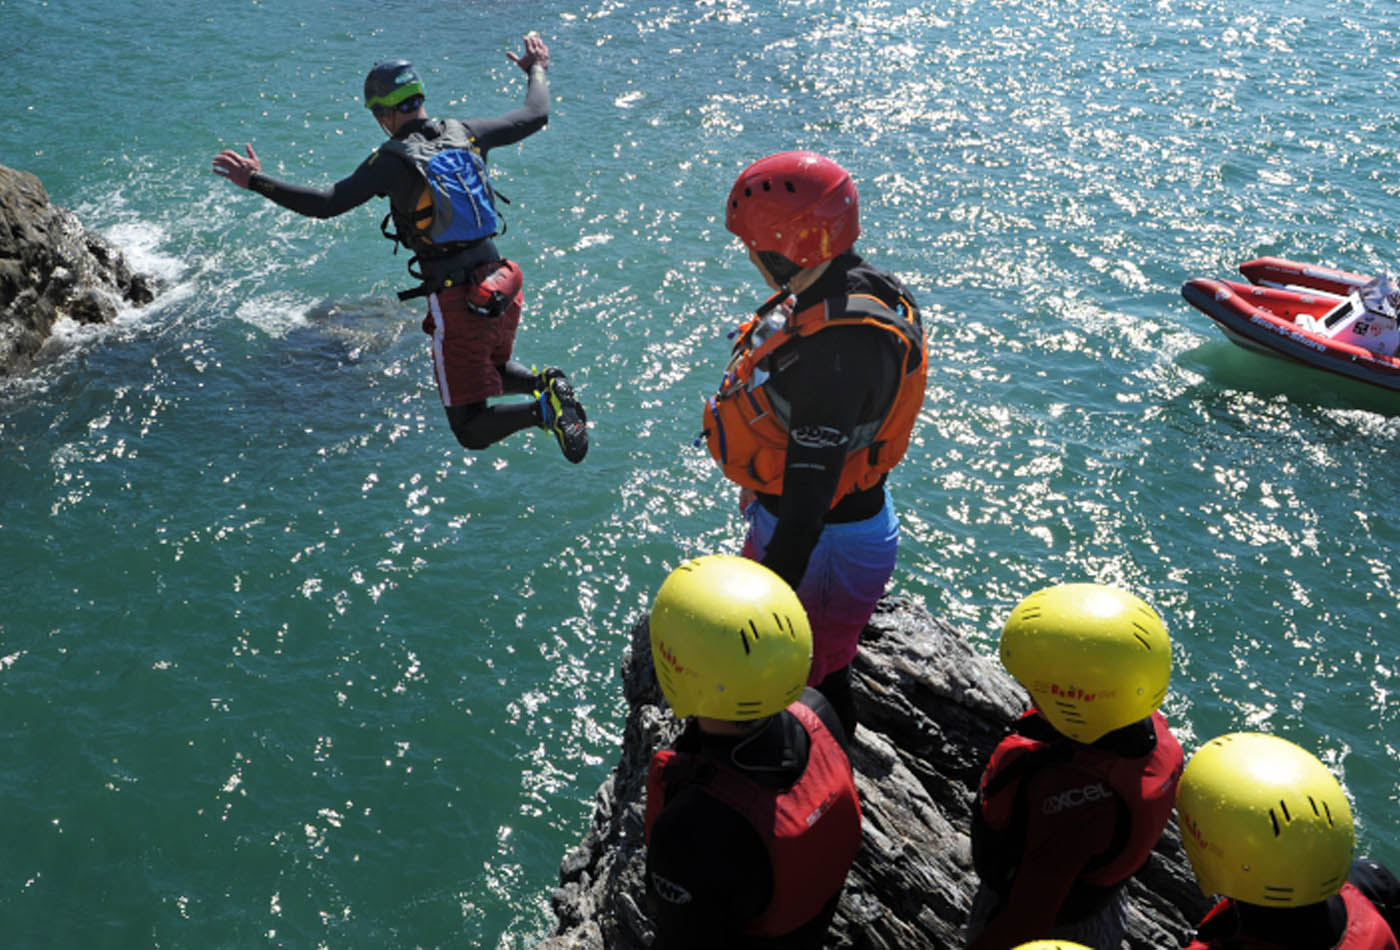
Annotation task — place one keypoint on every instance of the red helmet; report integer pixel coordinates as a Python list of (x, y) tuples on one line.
[(801, 205)]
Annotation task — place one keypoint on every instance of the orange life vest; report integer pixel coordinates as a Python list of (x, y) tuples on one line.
[(746, 425)]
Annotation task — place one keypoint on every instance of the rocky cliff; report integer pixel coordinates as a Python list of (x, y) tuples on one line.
[(932, 709), (51, 267)]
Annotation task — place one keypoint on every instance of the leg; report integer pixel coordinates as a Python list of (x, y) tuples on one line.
[(845, 578), (517, 379), (836, 687), (478, 425)]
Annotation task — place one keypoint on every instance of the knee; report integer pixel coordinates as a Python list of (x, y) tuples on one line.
[(468, 441), (464, 421)]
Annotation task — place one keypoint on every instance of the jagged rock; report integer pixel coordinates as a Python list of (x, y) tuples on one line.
[(51, 267), (932, 709)]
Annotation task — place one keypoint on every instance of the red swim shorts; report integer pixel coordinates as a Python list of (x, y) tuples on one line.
[(468, 344)]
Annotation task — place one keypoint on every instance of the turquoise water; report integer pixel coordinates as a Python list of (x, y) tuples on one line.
[(281, 665)]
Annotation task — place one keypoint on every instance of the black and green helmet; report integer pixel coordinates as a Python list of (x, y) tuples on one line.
[(391, 84)]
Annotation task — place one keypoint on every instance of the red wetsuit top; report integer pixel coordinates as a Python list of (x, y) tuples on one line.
[(806, 832), (1361, 924), (1061, 824)]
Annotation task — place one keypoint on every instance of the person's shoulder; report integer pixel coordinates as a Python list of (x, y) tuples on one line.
[(1380, 886), (819, 704), (863, 277)]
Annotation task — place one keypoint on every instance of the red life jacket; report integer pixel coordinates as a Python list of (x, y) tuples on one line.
[(1146, 788), (811, 830), (746, 428), (1366, 928)]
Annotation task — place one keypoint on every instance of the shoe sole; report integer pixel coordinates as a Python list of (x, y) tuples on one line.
[(570, 426)]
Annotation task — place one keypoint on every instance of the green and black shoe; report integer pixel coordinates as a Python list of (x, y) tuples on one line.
[(562, 414)]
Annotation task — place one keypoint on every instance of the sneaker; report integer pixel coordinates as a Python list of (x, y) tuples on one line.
[(563, 415)]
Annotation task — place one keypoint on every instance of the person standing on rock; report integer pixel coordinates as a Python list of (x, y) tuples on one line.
[(752, 817), (1073, 801), (818, 402), (1268, 829), (444, 210)]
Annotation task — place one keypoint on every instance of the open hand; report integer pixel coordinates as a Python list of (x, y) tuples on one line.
[(237, 168), (536, 53)]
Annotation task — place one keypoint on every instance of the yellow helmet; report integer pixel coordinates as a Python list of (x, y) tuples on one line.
[(1052, 945), (1264, 822), (729, 640), (1094, 658)]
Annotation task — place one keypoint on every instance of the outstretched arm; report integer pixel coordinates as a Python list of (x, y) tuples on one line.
[(529, 118), (245, 171)]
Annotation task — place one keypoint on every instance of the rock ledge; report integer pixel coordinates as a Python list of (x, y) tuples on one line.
[(52, 267)]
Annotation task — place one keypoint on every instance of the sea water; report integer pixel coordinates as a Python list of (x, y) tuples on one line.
[(281, 665)]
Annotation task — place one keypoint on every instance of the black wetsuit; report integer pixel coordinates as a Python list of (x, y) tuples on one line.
[(712, 852), (834, 380)]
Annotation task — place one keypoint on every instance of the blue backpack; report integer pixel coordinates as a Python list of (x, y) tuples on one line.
[(456, 205)]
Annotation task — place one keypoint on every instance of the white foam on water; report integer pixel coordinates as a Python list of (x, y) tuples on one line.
[(274, 313)]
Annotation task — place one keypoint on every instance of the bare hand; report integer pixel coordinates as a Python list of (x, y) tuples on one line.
[(536, 53), (237, 168)]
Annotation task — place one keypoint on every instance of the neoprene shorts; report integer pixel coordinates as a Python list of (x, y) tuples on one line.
[(468, 346), (846, 577)]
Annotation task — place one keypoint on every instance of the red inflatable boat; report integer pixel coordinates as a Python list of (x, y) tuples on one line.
[(1311, 314)]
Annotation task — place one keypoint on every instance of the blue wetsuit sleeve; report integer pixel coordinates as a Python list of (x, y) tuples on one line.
[(518, 123), (371, 179)]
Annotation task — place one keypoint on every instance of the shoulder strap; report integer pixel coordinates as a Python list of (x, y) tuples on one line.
[(904, 317)]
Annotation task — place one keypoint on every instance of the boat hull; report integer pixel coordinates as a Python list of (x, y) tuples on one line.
[(1263, 316)]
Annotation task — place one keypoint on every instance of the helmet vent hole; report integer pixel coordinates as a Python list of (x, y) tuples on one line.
[(790, 187), (785, 622), (1329, 813), (748, 192), (1143, 640), (1313, 802), (767, 186), (744, 639), (1283, 806), (1274, 818)]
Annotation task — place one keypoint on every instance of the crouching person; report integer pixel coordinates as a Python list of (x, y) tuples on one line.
[(1072, 802), (1269, 830), (752, 817)]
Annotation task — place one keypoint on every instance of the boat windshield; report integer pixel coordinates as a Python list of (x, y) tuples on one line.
[(1348, 306)]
